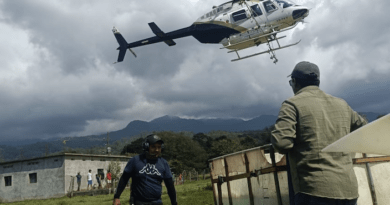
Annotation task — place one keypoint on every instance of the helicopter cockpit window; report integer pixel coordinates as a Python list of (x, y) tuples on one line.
[(269, 6), (285, 3), (239, 15), (256, 10)]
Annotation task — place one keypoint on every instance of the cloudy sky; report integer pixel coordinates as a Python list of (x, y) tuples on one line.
[(57, 77)]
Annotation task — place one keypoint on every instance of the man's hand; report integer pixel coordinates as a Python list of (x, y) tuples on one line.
[(116, 202)]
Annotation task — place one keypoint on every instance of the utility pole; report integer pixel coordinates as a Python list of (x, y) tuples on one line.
[(108, 140), (64, 147)]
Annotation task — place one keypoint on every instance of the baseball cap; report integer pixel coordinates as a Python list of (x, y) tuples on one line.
[(306, 71), (152, 139)]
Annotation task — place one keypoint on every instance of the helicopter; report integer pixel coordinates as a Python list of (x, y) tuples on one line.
[(236, 24)]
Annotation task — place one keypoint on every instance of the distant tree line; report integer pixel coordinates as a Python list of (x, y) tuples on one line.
[(184, 152)]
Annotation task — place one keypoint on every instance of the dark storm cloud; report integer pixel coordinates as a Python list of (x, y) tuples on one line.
[(58, 78), (371, 96)]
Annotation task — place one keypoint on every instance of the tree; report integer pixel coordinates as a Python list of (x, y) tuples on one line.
[(248, 142), (182, 152), (134, 147), (203, 140), (115, 169), (223, 145)]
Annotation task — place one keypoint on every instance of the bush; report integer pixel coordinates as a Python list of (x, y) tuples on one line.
[(115, 169)]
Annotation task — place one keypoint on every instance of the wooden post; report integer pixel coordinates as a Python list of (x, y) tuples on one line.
[(251, 199), (212, 184), (276, 179), (228, 181), (370, 181), (219, 191), (190, 176)]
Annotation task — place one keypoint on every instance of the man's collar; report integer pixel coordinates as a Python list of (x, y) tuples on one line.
[(307, 88)]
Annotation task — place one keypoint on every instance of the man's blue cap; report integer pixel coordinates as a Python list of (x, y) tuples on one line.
[(306, 71)]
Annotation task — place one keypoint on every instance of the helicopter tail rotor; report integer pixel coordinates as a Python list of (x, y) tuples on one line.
[(122, 45)]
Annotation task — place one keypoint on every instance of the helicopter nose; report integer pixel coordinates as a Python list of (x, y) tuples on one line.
[(300, 13)]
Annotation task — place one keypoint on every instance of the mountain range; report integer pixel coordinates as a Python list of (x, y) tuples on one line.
[(34, 148)]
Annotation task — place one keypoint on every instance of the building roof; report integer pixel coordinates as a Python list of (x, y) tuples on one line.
[(67, 154)]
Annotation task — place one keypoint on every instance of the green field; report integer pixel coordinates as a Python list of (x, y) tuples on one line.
[(191, 193)]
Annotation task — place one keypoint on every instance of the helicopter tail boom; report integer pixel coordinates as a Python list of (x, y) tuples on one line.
[(156, 30)]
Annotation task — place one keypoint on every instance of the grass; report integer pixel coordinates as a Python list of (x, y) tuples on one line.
[(191, 193)]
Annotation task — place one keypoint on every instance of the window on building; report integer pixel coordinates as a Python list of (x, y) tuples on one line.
[(8, 181), (33, 178), (256, 10), (101, 173), (239, 15)]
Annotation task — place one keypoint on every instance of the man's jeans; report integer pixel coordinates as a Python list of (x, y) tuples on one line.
[(305, 199)]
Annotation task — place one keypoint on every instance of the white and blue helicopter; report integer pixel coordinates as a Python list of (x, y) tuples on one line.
[(237, 24)]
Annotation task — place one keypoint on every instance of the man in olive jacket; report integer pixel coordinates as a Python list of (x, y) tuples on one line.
[(308, 122)]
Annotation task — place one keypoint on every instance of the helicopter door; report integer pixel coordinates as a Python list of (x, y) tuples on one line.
[(269, 7), (257, 13)]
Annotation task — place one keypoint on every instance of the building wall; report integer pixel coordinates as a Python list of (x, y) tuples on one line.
[(50, 179), (82, 164)]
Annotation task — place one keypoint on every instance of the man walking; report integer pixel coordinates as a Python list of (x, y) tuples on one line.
[(98, 181), (89, 180), (307, 123), (147, 170), (78, 176)]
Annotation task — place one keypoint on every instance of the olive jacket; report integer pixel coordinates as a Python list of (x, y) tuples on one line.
[(307, 123)]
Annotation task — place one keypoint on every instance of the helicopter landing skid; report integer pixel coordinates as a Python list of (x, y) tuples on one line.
[(270, 51)]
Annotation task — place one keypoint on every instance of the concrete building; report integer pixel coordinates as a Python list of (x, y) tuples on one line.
[(50, 177)]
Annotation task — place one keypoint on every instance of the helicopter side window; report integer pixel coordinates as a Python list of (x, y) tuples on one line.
[(256, 10), (239, 15), (285, 3), (269, 6)]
